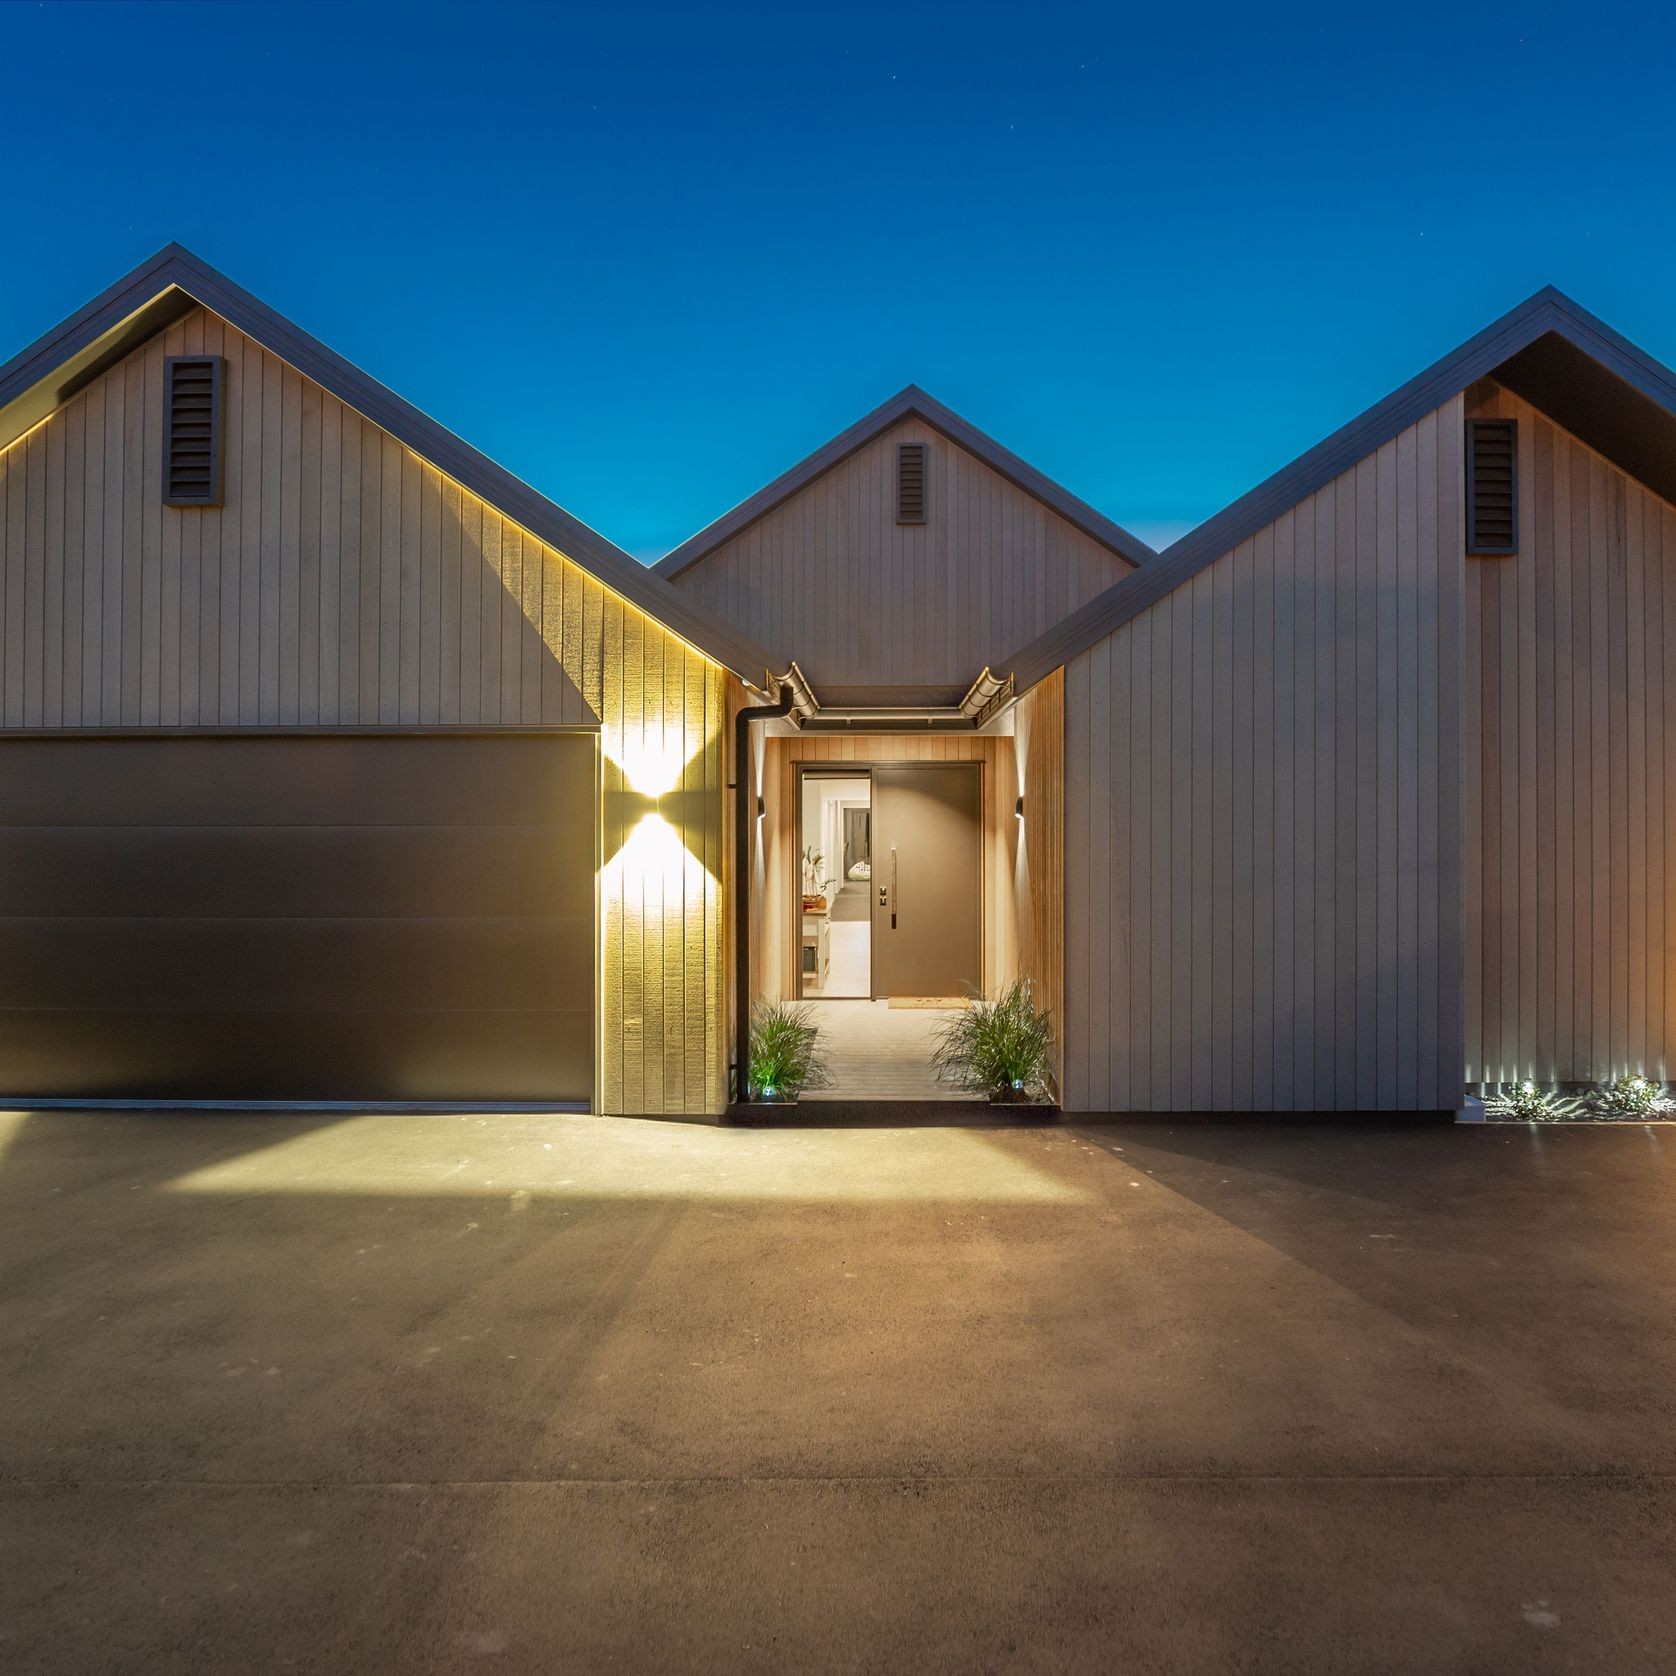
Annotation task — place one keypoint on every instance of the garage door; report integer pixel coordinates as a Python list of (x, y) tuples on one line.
[(367, 917)]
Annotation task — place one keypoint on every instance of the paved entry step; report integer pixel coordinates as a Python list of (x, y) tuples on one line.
[(842, 1113), (880, 1052)]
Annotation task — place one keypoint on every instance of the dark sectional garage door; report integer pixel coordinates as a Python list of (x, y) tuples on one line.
[(353, 917)]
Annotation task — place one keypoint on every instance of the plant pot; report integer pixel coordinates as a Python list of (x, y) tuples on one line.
[(1024, 1111), (759, 1110)]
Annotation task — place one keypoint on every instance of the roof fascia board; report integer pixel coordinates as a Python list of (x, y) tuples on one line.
[(909, 402), (83, 328), (177, 269)]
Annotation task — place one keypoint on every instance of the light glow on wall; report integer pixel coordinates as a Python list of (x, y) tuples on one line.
[(651, 766), (661, 813)]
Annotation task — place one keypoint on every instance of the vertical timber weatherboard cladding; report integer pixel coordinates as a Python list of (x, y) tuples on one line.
[(1263, 896), (346, 583), (1571, 743), (869, 602)]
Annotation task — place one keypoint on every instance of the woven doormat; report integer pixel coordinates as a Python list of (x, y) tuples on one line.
[(940, 1001)]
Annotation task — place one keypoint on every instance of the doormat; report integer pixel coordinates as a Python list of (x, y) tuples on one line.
[(943, 1002)]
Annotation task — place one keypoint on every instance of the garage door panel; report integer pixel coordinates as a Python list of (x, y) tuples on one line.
[(353, 917), (303, 965), (368, 1056), (433, 779), (366, 872)]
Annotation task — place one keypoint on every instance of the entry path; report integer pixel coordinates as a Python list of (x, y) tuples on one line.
[(880, 1052)]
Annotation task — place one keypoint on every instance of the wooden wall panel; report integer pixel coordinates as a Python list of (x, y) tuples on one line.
[(831, 579), (1571, 742), (346, 583), (1262, 814)]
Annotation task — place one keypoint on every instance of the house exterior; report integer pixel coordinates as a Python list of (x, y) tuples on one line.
[(342, 766)]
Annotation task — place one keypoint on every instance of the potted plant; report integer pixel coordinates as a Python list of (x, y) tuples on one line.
[(785, 1054), (998, 1048)]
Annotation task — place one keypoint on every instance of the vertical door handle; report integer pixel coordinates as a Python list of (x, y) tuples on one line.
[(894, 904)]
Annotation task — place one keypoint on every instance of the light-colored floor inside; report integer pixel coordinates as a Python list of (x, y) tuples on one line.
[(880, 1052), (850, 962)]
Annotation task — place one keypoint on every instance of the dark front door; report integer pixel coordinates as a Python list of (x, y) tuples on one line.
[(357, 917), (927, 879)]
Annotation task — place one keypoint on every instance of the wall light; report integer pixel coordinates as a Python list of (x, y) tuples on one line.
[(762, 808), (1018, 807), (652, 767)]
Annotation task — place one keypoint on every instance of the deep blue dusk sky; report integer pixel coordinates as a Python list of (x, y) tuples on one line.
[(647, 259)]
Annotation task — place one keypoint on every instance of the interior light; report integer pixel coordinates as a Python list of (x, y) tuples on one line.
[(1018, 807)]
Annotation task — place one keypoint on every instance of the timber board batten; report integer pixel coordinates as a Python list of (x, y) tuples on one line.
[(1263, 891), (1571, 745), (865, 598), (345, 582)]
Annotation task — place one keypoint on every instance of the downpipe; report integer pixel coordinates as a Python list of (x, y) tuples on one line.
[(744, 831)]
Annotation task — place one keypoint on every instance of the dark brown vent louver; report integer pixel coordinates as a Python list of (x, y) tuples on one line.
[(1492, 486), (910, 483), (192, 430)]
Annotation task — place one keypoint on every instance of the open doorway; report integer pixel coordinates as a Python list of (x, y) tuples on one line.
[(889, 909), (890, 889), (836, 846)]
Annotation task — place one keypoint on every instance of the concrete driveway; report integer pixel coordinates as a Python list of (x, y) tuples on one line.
[(415, 1394)]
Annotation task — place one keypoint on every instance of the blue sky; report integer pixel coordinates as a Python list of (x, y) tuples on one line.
[(647, 259)]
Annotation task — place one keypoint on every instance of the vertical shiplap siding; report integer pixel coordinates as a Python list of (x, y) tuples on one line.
[(1262, 897), (1571, 741), (830, 577), (345, 582)]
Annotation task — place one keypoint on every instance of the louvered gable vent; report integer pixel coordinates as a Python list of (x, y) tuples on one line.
[(192, 430), (910, 483), (1492, 486)]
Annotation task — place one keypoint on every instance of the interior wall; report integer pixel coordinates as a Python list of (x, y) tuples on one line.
[(776, 902), (1571, 730), (1263, 905), (346, 583), (823, 803)]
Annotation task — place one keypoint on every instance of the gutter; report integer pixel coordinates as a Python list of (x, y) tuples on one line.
[(983, 698)]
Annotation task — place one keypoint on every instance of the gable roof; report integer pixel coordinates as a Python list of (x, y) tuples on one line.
[(51, 370), (916, 403), (1549, 349)]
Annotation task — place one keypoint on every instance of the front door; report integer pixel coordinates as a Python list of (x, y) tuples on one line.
[(927, 882)]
